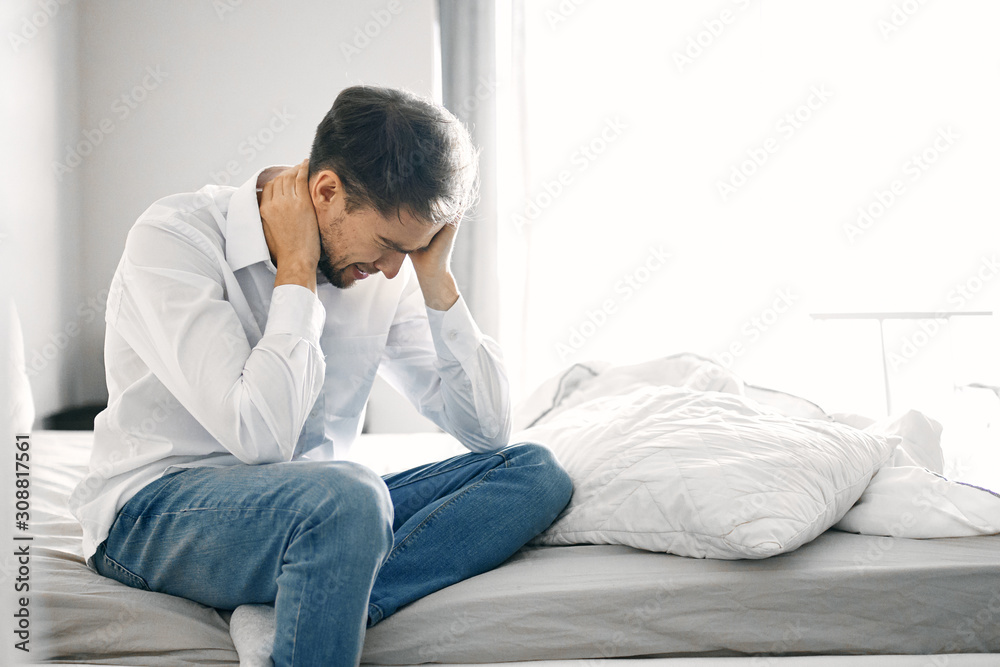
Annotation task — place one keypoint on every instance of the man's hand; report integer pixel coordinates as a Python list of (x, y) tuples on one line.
[(290, 227), (433, 268)]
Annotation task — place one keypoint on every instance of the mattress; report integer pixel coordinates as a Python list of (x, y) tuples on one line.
[(840, 594)]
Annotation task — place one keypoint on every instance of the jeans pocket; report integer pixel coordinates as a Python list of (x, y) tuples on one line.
[(112, 569)]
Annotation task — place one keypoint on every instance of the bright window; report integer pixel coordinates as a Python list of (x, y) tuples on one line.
[(791, 158)]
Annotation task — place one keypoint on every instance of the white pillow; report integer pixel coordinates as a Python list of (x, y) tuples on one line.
[(701, 473)]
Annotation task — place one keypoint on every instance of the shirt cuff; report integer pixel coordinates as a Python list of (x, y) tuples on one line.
[(456, 335), (296, 310)]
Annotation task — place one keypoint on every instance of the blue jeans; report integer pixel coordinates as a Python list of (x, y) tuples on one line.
[(335, 547)]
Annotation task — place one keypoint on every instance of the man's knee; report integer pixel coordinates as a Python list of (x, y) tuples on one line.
[(551, 483), (367, 494), (350, 498)]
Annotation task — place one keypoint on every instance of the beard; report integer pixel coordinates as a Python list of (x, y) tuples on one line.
[(337, 277)]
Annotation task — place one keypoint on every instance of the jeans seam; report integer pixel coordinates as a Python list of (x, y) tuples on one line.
[(162, 481), (397, 548), (442, 472), (210, 509), (121, 568), (295, 637), (381, 614)]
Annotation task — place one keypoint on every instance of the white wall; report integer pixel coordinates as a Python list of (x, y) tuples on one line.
[(169, 93)]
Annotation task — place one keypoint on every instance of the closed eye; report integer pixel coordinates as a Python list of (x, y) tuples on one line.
[(389, 245)]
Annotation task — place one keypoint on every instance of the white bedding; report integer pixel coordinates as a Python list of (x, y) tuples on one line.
[(701, 474), (671, 455)]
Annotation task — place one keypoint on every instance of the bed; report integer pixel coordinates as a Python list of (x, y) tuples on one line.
[(840, 599)]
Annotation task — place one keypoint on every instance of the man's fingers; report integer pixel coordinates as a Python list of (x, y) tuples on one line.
[(447, 233), (291, 181), (302, 179)]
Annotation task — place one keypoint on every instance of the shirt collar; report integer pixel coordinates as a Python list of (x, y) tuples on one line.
[(245, 242)]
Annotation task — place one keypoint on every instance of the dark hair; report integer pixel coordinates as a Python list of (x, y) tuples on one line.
[(395, 151)]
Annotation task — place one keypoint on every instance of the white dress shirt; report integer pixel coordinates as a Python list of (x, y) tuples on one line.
[(209, 364)]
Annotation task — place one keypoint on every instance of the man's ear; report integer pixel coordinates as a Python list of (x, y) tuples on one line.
[(325, 188)]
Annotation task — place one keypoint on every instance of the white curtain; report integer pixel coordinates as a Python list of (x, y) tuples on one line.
[(469, 86)]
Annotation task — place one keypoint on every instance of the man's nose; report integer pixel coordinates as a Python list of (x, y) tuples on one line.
[(390, 263)]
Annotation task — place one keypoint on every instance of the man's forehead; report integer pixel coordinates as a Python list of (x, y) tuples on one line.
[(406, 232)]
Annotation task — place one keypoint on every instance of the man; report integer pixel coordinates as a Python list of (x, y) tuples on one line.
[(244, 329)]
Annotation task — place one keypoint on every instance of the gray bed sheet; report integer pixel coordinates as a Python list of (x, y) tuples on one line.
[(840, 594)]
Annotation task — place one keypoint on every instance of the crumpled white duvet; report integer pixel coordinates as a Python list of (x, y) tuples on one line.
[(679, 455)]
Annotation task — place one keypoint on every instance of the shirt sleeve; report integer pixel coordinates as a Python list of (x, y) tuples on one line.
[(169, 302), (449, 370)]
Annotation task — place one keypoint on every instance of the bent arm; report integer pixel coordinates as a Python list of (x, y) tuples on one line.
[(168, 301), (449, 370)]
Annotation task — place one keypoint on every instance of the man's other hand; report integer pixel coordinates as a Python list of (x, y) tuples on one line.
[(433, 268)]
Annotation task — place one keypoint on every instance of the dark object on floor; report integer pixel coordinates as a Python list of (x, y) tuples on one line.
[(80, 418)]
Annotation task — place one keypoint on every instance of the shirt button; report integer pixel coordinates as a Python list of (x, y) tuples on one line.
[(453, 335)]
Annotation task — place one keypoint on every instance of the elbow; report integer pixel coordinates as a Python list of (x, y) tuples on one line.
[(498, 435), (505, 422), (502, 438), (494, 416), (265, 410), (268, 430), (258, 440), (496, 439)]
